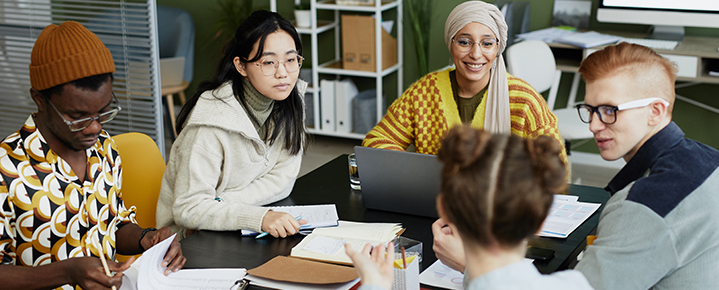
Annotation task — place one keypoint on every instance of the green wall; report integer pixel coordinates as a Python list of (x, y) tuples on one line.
[(697, 123)]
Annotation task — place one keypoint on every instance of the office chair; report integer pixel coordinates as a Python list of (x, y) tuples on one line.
[(516, 15), (176, 37), (142, 170), (533, 61)]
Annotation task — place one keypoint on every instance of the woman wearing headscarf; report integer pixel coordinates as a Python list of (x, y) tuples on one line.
[(478, 91)]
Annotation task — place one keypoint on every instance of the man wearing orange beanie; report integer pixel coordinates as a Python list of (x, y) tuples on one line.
[(60, 175)]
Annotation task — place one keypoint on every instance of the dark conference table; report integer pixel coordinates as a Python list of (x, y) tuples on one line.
[(330, 184)]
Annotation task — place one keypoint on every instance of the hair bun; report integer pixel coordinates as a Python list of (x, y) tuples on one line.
[(546, 164), (463, 146)]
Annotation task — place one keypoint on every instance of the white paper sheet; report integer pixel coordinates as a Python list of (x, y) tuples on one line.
[(546, 35), (152, 274), (439, 275), (566, 216), (566, 198)]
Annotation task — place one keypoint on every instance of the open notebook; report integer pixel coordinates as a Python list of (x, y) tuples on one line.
[(327, 244)]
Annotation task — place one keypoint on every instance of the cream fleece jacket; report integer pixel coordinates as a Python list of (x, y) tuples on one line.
[(220, 155)]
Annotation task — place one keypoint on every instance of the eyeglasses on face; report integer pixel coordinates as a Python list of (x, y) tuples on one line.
[(608, 113), (292, 62), (487, 45), (81, 124)]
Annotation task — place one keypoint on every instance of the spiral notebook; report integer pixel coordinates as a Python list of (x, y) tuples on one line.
[(317, 216)]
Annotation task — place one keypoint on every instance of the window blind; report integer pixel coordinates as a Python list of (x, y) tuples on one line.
[(127, 27)]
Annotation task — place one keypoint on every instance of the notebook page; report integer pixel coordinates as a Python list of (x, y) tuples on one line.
[(316, 215), (362, 231)]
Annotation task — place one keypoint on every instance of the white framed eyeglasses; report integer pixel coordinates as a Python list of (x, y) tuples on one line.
[(268, 66), (608, 113), (81, 124), (487, 45)]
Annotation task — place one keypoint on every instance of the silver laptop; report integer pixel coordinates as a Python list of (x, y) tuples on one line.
[(171, 71), (399, 181)]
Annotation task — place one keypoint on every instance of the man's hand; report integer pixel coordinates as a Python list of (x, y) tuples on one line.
[(174, 260), (375, 269), (280, 224), (448, 245), (88, 273)]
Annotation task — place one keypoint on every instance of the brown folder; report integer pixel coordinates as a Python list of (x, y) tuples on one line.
[(282, 268)]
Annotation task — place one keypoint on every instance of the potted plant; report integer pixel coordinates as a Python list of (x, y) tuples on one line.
[(230, 14), (420, 15), (302, 14)]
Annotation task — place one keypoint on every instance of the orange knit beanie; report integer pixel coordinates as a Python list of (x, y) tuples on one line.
[(67, 52)]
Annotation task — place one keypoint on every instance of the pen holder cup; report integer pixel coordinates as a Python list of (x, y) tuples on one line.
[(407, 277)]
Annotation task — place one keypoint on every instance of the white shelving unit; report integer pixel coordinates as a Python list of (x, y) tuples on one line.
[(329, 68)]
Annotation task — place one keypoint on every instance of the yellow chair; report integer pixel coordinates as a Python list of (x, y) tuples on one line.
[(142, 170)]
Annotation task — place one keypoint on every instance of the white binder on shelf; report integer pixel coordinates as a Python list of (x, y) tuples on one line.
[(345, 91), (327, 105)]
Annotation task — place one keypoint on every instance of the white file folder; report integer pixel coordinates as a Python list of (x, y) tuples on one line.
[(327, 105)]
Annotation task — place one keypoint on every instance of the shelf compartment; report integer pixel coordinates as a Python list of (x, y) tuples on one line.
[(332, 5), (336, 134), (322, 26), (335, 67)]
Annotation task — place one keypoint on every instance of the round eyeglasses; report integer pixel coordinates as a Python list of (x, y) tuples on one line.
[(608, 113), (79, 125), (487, 45), (269, 66)]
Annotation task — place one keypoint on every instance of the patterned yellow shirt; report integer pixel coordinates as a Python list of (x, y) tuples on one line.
[(426, 111), (46, 213)]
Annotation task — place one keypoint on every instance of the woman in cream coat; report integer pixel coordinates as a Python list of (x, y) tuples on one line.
[(241, 137)]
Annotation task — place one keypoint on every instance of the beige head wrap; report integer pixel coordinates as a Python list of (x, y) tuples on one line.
[(497, 118)]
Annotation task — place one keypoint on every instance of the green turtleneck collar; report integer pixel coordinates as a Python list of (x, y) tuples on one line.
[(257, 105)]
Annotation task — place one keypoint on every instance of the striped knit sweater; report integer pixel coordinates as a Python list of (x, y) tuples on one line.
[(426, 111)]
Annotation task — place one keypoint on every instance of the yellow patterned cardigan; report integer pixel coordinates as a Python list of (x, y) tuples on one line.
[(426, 111)]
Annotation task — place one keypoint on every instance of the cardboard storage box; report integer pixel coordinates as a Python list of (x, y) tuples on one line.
[(358, 44)]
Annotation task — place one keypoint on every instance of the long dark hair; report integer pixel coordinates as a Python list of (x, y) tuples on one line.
[(287, 115)]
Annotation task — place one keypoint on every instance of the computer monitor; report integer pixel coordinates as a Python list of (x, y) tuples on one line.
[(667, 16)]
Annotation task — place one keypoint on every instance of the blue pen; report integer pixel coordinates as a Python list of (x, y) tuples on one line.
[(263, 234)]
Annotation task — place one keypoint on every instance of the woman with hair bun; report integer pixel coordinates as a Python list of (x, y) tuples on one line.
[(496, 192)]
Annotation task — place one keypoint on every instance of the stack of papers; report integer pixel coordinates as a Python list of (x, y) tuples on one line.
[(546, 35), (566, 214), (588, 39), (581, 39), (148, 273)]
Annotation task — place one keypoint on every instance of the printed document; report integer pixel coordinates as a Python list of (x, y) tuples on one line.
[(151, 275), (439, 275), (565, 216)]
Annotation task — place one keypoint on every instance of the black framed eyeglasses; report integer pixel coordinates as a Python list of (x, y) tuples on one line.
[(487, 45), (269, 65), (81, 124), (608, 113)]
